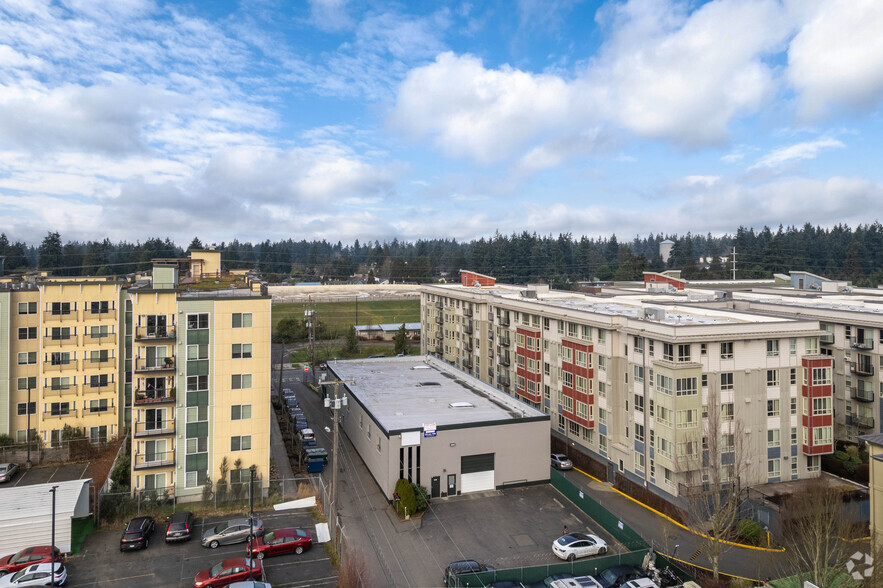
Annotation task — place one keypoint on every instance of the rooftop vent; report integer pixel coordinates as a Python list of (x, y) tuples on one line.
[(461, 405), (421, 367), (528, 293), (429, 384), (654, 314)]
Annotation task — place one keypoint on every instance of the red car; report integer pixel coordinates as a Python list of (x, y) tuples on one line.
[(26, 557), (228, 571), (281, 541)]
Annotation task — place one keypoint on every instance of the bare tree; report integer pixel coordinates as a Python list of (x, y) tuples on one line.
[(819, 531), (710, 478)]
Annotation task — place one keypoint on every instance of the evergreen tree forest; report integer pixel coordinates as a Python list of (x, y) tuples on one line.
[(839, 252)]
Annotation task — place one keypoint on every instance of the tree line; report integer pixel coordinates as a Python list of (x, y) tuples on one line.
[(839, 252)]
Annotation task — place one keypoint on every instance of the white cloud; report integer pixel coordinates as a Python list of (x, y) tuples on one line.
[(804, 150), (330, 15), (836, 60)]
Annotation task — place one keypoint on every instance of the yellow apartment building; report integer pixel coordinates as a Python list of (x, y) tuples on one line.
[(181, 367)]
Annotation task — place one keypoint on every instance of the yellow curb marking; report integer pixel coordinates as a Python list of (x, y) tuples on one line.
[(687, 563), (668, 518)]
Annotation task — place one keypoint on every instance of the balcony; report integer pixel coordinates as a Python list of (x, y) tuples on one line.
[(827, 339), (160, 364), (865, 343), (467, 328), (50, 317), (490, 373), (164, 396), (59, 391), (490, 336), (468, 345), (154, 429), (155, 333), (71, 365), (505, 341), (503, 381), (439, 304), (71, 341), (467, 363), (503, 360), (864, 422), (439, 319), (57, 414), (467, 311), (862, 394), (863, 368), (504, 321), (145, 461)]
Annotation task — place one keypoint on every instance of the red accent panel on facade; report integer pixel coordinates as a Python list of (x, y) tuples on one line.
[(537, 356), (571, 392), (469, 279), (810, 391), (654, 278)]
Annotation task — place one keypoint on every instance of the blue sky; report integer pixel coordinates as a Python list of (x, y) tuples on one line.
[(345, 119)]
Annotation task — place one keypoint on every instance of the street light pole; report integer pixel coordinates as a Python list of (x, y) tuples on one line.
[(251, 522), (52, 569), (334, 404)]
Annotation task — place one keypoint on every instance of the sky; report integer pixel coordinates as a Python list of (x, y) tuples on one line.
[(356, 119)]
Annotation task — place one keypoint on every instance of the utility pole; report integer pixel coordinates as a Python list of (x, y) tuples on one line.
[(311, 325), (335, 404), (281, 362), (251, 523), (734, 263), (52, 569)]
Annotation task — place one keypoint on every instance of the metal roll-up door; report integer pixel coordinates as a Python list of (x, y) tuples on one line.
[(477, 472)]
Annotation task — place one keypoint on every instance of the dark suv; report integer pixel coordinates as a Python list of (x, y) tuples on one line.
[(179, 526), (137, 533), (464, 566)]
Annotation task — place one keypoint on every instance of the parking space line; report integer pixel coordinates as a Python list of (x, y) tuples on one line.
[(111, 580), (296, 562), (52, 476), (83, 473), (330, 580)]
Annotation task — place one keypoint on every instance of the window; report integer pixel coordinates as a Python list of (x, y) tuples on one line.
[(772, 348), (582, 359), (773, 468), (99, 331), (664, 384), (665, 447), (60, 333), (813, 463), (772, 378), (23, 408), (663, 415), (197, 383), (794, 406), (241, 350), (688, 419), (792, 346), (197, 321), (197, 351), (240, 381), (639, 403), (59, 408), (581, 384), (772, 408), (821, 376), (727, 350), (59, 308), (602, 363), (686, 387), (98, 405), (668, 351), (683, 353), (793, 376), (586, 333), (602, 443), (100, 356), (812, 345), (27, 333), (240, 443), (241, 320), (582, 410), (639, 432), (99, 307), (27, 308), (27, 358), (727, 381), (727, 411), (240, 412), (821, 406), (63, 358), (602, 336), (639, 462), (728, 442), (98, 381), (705, 380), (772, 438), (27, 383), (602, 389), (638, 344)]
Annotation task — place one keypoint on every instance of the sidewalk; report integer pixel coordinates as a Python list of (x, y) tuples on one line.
[(277, 449), (670, 539)]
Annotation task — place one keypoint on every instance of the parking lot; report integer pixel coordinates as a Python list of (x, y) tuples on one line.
[(102, 564), (46, 474)]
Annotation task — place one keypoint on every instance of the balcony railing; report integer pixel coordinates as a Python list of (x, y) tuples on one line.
[(155, 396), (71, 341), (467, 363), (439, 319), (503, 381), (862, 394), (468, 327), (154, 460), (504, 321), (69, 390), (863, 368), (827, 339), (152, 429), (155, 365), (505, 341), (51, 414), (467, 311), (439, 304), (468, 345), (503, 360), (154, 333), (49, 317), (865, 343), (865, 422), (72, 364)]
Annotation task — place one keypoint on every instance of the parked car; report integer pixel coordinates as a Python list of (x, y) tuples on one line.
[(306, 434), (227, 572), (36, 575), (616, 576), (281, 541), (641, 583), (232, 531), (179, 526), (560, 462), (574, 545), (26, 557), (250, 584), (549, 579), (463, 566), (137, 533), (8, 471), (577, 582)]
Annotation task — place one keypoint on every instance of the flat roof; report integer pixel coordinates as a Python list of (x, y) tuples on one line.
[(405, 393)]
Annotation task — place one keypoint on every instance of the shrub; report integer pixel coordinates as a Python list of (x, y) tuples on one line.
[(6, 440), (850, 466), (406, 495), (852, 451), (749, 531), (121, 475), (841, 455), (421, 497)]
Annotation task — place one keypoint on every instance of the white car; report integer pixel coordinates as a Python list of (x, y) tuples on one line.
[(641, 583), (36, 575), (574, 545)]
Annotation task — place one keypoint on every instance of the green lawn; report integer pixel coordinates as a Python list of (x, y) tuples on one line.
[(339, 316), (328, 352)]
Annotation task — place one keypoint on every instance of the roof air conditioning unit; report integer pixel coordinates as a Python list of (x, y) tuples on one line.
[(654, 314)]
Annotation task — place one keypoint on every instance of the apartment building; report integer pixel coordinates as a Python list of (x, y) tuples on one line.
[(634, 380), (179, 359)]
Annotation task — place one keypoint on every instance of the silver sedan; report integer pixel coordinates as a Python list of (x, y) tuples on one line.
[(7, 471), (232, 531)]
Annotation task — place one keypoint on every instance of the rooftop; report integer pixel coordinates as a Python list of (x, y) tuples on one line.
[(404, 393)]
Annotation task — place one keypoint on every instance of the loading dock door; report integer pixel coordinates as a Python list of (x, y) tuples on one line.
[(477, 472)]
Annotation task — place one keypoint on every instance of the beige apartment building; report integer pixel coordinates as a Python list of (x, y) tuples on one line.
[(178, 359), (635, 379)]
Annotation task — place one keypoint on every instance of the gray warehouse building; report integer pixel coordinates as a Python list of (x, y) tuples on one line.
[(421, 419)]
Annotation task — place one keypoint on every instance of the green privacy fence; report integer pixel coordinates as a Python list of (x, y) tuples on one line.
[(623, 533)]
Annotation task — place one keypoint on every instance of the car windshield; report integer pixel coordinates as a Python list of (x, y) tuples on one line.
[(249, 562), (17, 575), (132, 534), (268, 538), (566, 540), (2, 469), (178, 526), (301, 533), (16, 557), (221, 527), (609, 576), (216, 569)]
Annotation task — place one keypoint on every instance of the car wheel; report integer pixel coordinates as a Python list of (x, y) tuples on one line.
[(299, 549), (4, 572), (214, 545), (260, 555), (571, 557), (602, 551)]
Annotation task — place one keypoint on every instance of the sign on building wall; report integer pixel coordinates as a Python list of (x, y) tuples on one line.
[(429, 430)]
